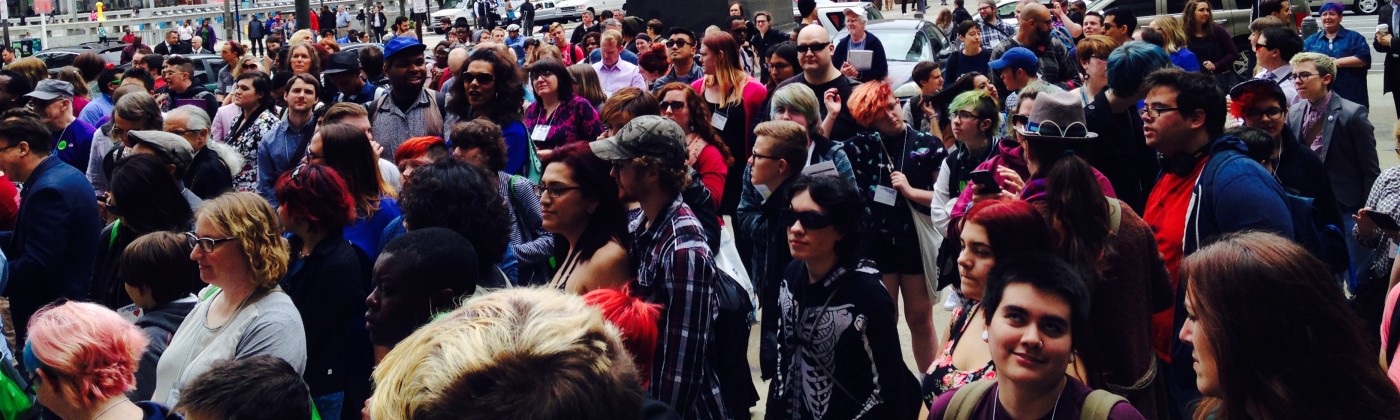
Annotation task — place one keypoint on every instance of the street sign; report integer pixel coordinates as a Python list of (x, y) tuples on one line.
[(420, 6), (43, 7)]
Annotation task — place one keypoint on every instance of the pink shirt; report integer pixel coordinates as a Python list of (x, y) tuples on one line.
[(1394, 371)]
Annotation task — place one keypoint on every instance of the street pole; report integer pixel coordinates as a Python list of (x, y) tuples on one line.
[(5, 23), (303, 14)]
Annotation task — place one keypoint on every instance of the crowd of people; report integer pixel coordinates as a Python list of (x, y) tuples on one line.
[(591, 226)]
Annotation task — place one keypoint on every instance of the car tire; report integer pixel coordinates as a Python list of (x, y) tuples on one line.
[(1366, 7), (1244, 64)]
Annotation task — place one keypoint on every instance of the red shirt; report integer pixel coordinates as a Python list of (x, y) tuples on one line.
[(1166, 210)]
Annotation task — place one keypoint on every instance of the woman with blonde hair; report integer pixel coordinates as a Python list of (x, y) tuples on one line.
[(733, 99), (238, 244), (32, 68), (1174, 42), (82, 358)]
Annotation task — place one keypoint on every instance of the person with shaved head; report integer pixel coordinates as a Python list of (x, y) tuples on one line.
[(1033, 32)]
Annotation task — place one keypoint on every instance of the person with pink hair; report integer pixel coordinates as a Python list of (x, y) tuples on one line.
[(82, 360), (636, 319)]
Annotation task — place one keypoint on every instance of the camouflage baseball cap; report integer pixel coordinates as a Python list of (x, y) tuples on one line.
[(652, 136)]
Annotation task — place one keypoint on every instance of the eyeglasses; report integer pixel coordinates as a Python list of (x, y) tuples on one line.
[(670, 105), (756, 156), (182, 132), (964, 115), (1053, 129), (250, 66), (1260, 45), (809, 219), (806, 48), (205, 244), (553, 191), (540, 75), (1020, 120), (1303, 75), (480, 78), (676, 43), (1270, 113), (1148, 111), (981, 8)]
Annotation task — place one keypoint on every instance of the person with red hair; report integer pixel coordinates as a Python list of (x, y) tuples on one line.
[(636, 319), (894, 166), (326, 280), (994, 230), (419, 151), (735, 100), (82, 358)]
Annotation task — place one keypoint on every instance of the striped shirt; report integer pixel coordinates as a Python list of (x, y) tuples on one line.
[(675, 269)]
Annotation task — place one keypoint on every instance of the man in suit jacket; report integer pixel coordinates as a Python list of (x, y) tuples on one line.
[(54, 244), (172, 45), (1340, 132)]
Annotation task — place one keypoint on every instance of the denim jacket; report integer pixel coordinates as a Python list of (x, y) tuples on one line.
[(276, 152)]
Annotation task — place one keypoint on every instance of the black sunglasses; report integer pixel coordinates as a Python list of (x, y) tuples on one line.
[(806, 48), (676, 43), (669, 105), (810, 219), (481, 78)]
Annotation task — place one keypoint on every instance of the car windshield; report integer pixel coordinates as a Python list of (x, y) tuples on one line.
[(453, 4), (900, 45)]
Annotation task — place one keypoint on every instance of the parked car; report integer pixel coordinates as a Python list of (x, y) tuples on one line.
[(64, 56), (547, 12), (1365, 7), (906, 43)]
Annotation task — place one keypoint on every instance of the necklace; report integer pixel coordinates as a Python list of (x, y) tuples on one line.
[(1052, 411), (109, 408)]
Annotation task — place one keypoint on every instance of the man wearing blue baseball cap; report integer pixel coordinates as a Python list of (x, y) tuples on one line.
[(1057, 67), (1015, 69), (410, 109)]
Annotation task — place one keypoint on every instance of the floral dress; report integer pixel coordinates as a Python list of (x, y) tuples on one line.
[(245, 141), (942, 375)]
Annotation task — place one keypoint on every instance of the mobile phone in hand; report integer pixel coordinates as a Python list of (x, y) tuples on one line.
[(1383, 221), (986, 184)]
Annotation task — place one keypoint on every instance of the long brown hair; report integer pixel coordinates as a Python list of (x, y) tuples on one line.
[(1197, 28), (729, 73), (699, 118), (1285, 343)]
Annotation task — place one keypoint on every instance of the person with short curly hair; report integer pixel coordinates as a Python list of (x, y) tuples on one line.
[(83, 358), (238, 244), (489, 86), (455, 195)]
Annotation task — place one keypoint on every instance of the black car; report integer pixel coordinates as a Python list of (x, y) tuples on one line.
[(55, 58)]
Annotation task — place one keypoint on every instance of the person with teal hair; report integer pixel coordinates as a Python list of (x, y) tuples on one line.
[(1120, 152)]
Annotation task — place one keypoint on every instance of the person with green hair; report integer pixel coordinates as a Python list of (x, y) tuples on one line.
[(974, 123)]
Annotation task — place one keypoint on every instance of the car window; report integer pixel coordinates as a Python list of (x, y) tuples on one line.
[(1007, 11), (872, 13), (837, 19), (57, 60), (1176, 7), (1141, 7)]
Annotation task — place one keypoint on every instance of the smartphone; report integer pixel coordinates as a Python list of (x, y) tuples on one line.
[(986, 184), (1383, 221)]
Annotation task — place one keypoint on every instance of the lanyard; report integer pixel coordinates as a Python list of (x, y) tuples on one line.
[(903, 153)]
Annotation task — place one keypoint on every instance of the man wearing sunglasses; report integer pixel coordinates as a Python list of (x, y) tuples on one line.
[(680, 43), (101, 105), (1207, 188), (676, 268), (814, 54), (54, 245), (1273, 49), (1119, 24)]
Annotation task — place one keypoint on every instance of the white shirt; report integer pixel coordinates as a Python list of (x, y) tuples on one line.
[(1283, 77), (622, 75), (185, 32)]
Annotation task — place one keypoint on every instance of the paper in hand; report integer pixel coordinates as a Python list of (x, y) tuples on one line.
[(860, 58)]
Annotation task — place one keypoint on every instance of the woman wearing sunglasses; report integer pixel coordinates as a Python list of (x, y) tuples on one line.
[(1103, 238), (325, 279), (559, 116), (144, 199), (580, 206), (82, 359), (839, 354), (241, 253), (894, 167), (709, 156), (489, 86)]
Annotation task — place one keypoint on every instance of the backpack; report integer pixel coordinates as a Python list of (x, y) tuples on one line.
[(1096, 406), (1310, 230)]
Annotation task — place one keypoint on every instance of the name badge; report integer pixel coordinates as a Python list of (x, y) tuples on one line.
[(884, 195), (718, 121), (541, 132)]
